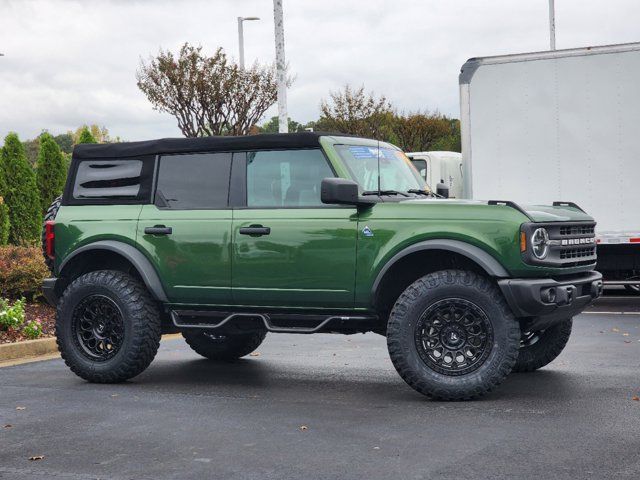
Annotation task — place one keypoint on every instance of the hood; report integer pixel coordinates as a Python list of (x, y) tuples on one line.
[(538, 213), (547, 213)]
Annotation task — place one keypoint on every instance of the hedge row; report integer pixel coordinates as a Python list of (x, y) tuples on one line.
[(25, 192), (22, 271)]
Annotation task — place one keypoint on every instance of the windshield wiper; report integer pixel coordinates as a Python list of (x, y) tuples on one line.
[(383, 192), (419, 192), (424, 192)]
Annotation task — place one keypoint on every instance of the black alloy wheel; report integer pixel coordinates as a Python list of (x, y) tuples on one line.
[(453, 336), (108, 327), (98, 327)]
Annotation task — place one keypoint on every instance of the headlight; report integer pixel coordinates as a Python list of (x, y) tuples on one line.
[(540, 243)]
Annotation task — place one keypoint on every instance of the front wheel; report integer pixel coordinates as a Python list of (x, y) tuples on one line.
[(451, 335), (540, 348)]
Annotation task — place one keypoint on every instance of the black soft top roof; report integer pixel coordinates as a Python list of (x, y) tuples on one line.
[(201, 144)]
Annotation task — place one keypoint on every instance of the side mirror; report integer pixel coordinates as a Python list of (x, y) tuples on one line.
[(442, 189), (341, 192)]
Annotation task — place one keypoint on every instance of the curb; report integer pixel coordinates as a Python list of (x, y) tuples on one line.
[(28, 348), (40, 349)]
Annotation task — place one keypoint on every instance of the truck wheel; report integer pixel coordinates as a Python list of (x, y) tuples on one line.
[(107, 326), (223, 347), (540, 348), (52, 211), (451, 335), (633, 288)]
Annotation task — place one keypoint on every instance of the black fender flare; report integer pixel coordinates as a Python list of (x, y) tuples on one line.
[(132, 254), (488, 263)]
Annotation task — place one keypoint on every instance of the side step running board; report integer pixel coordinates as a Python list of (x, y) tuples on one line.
[(268, 323)]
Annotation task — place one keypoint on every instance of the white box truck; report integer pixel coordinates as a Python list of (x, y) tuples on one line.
[(438, 167), (560, 126)]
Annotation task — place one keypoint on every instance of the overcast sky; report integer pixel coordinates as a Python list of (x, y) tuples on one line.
[(72, 62)]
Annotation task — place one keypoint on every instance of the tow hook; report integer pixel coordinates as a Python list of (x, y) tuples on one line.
[(559, 295), (596, 288)]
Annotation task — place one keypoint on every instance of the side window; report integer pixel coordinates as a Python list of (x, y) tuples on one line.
[(285, 178), (421, 166), (108, 179), (195, 181)]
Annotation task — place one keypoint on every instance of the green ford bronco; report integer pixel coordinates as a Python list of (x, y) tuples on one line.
[(227, 238)]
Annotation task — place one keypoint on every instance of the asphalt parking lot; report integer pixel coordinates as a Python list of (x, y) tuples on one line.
[(330, 407)]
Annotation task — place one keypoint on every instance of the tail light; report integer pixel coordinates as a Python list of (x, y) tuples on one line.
[(50, 239)]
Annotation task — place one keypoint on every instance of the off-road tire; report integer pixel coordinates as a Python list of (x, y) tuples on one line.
[(142, 326), (423, 294), (51, 213), (226, 348), (549, 345), (633, 289)]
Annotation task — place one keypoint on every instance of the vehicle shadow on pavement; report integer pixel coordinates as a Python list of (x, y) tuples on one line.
[(248, 377)]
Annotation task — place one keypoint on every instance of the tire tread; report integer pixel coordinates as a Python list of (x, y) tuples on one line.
[(145, 319), (235, 347), (464, 390)]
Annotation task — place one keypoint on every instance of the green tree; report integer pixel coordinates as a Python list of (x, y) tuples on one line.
[(419, 132), (31, 148), (355, 112), (451, 142), (4, 210), (272, 125), (99, 134), (21, 194), (85, 136), (4, 222), (65, 142), (50, 171), (208, 95)]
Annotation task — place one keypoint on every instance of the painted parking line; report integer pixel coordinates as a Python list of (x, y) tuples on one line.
[(610, 313)]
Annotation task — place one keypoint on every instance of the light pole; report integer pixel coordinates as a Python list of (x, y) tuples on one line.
[(552, 25), (281, 67), (241, 38)]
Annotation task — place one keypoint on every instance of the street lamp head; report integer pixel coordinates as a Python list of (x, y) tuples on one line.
[(250, 18)]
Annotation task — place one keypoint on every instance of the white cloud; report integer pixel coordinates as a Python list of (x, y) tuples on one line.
[(74, 62)]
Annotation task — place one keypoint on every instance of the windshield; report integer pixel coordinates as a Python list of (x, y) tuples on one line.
[(396, 170)]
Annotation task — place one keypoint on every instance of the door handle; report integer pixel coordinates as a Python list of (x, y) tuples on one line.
[(255, 230), (158, 230)]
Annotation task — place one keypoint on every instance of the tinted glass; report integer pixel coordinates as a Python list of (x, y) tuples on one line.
[(104, 179), (198, 181), (285, 178)]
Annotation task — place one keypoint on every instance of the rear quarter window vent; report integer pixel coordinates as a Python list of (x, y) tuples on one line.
[(110, 181)]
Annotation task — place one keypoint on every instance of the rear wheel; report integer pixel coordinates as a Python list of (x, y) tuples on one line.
[(107, 327), (540, 348), (451, 335), (223, 347), (633, 288)]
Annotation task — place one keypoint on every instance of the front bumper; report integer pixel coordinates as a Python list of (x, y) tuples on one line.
[(545, 300), (49, 291)]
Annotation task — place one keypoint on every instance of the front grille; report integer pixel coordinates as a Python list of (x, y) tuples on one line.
[(568, 253), (571, 244), (577, 230)]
